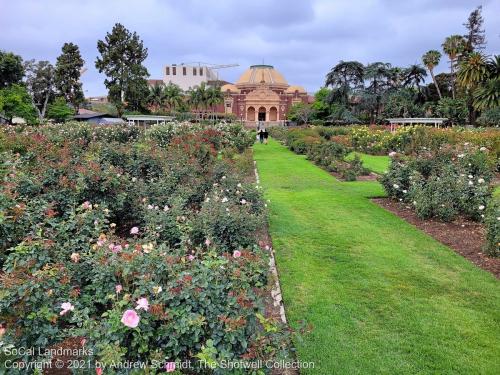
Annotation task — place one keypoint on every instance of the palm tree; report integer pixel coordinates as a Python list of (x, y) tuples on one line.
[(453, 46), (214, 97), (156, 96), (431, 60), (173, 96), (487, 95), (473, 72)]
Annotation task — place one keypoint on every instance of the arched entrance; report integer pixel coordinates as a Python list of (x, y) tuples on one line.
[(251, 114), (262, 114), (273, 114)]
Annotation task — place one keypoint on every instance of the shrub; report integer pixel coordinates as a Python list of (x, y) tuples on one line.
[(161, 224), (492, 223), (490, 117)]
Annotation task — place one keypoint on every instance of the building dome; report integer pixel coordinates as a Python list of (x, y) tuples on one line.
[(293, 89), (257, 74), (229, 87)]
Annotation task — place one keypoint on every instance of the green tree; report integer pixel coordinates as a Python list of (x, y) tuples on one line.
[(487, 95), (455, 110), (15, 101), (40, 84), (11, 69), (173, 96), (68, 69), (156, 97), (378, 75), (59, 110), (122, 56), (301, 113), (344, 77), (321, 104), (454, 47), (431, 60), (214, 97), (414, 75)]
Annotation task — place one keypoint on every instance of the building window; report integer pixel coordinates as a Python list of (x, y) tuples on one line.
[(194, 71), (201, 71), (183, 70), (174, 70), (167, 70)]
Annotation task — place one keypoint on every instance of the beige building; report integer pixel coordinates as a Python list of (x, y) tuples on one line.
[(188, 76), (262, 94)]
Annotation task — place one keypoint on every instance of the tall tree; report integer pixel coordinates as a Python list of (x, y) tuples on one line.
[(431, 60), (475, 38), (173, 96), (214, 97), (473, 72), (453, 46), (156, 96), (378, 76), (122, 56), (414, 75), (11, 69), (68, 69), (40, 84), (344, 77)]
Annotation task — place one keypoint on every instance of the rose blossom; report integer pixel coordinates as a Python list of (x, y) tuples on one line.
[(170, 366), (118, 288), (237, 254), (130, 319), (134, 230), (75, 257), (142, 303), (207, 242), (66, 306), (86, 205), (191, 257)]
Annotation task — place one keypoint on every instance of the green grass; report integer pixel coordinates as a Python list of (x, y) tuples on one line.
[(377, 164), (496, 192), (382, 296)]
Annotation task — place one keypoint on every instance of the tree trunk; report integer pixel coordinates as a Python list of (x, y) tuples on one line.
[(435, 83), (452, 79)]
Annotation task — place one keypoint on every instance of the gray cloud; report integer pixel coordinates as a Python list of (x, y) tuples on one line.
[(303, 39)]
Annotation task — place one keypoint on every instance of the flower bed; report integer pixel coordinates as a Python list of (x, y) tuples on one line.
[(141, 244)]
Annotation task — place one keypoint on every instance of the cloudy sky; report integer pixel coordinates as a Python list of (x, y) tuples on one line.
[(303, 39)]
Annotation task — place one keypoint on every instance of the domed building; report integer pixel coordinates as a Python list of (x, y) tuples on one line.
[(261, 94)]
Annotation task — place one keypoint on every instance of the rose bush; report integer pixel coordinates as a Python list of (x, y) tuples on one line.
[(140, 243)]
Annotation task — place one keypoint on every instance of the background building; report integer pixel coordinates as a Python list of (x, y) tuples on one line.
[(187, 76), (262, 94)]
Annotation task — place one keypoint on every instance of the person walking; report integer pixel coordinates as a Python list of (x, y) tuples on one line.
[(261, 135), (266, 135)]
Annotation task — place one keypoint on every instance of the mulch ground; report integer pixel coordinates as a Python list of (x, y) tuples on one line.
[(465, 237)]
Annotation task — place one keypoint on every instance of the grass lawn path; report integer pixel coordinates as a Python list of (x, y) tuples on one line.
[(375, 163), (382, 296)]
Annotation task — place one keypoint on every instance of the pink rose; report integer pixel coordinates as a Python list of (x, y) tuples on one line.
[(118, 288), (170, 366), (66, 306), (86, 205), (117, 249), (237, 254), (130, 319), (191, 257), (207, 242), (134, 230), (98, 371), (142, 303)]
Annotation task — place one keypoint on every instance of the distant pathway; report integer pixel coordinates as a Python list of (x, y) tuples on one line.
[(382, 296)]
